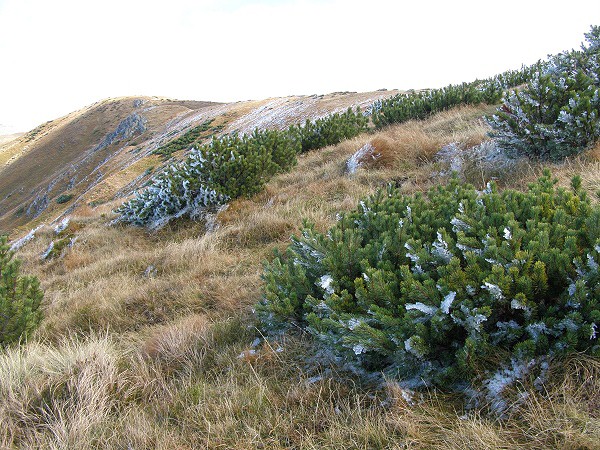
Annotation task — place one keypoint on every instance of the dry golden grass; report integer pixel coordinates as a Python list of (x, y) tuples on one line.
[(147, 337)]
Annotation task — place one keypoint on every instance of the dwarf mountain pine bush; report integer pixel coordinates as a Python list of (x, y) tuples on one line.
[(20, 298), (557, 113), (185, 141), (330, 130), (231, 167), (448, 287), (419, 105), (209, 176)]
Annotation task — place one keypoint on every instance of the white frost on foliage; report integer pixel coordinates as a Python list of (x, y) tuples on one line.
[(536, 329), (507, 234), (410, 254), (459, 225), (325, 283), (408, 346), (465, 248), (322, 307), (422, 307), (24, 240), (409, 213), (567, 324), (494, 290), (407, 396), (472, 321), (593, 333), (592, 264), (503, 378), (516, 304), (62, 226), (353, 323), (440, 249), (358, 349), (358, 158), (447, 302)]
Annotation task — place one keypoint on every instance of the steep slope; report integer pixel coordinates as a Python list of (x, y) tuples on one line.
[(166, 356), (66, 156), (105, 151)]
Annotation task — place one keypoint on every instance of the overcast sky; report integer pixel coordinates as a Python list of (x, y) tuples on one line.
[(60, 55)]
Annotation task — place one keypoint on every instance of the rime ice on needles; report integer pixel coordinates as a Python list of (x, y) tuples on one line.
[(358, 349), (494, 290), (422, 307), (440, 249), (353, 323), (325, 283), (447, 302), (356, 161)]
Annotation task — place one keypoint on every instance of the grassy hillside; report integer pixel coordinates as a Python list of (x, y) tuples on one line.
[(149, 338), (107, 150)]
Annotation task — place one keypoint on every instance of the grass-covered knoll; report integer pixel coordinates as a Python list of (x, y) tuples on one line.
[(187, 188)]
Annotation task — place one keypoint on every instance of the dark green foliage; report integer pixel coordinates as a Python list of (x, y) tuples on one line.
[(445, 287), (557, 113), (234, 166), (185, 141), (64, 198), (231, 167), (226, 168), (420, 105), (20, 298), (330, 130)]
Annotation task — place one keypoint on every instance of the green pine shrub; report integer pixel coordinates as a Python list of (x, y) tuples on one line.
[(64, 198), (210, 176), (330, 130), (20, 298), (231, 167), (185, 141), (420, 105), (455, 286), (557, 114)]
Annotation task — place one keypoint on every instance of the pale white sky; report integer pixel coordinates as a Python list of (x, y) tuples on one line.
[(60, 55)]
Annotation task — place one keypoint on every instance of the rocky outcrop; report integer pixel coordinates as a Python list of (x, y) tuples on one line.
[(127, 128)]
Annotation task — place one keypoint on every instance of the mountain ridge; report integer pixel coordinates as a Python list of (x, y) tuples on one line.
[(106, 150)]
